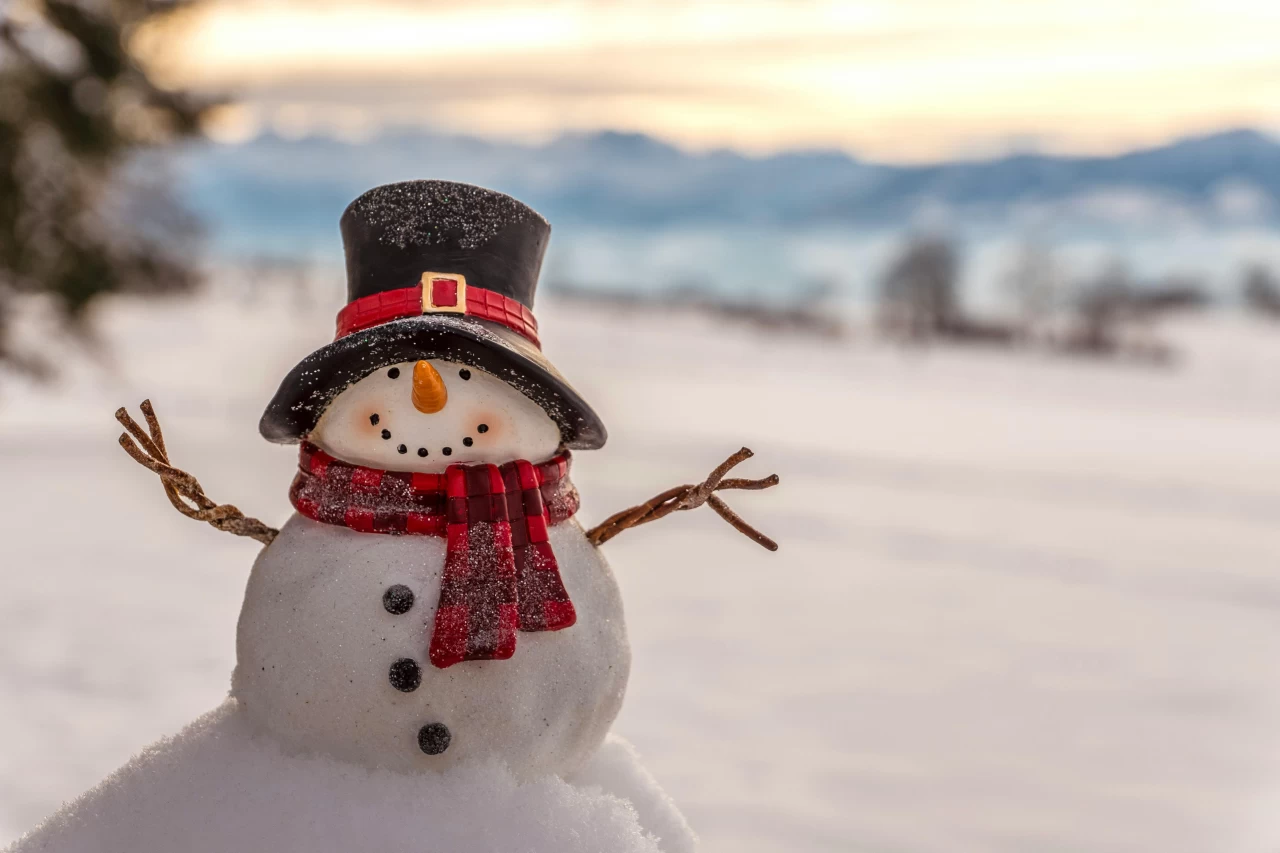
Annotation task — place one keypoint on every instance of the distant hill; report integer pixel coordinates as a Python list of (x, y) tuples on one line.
[(279, 193)]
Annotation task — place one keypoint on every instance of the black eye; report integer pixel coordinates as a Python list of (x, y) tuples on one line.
[(373, 419), (482, 429), (394, 373), (464, 373)]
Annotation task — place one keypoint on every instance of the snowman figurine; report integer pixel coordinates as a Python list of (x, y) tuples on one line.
[(434, 548), (433, 603)]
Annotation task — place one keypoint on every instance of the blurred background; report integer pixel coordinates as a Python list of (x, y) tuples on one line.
[(993, 286)]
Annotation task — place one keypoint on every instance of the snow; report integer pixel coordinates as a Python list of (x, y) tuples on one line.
[(1020, 604), (220, 786)]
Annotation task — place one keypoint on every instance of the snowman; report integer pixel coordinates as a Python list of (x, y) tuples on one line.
[(434, 548), (432, 604)]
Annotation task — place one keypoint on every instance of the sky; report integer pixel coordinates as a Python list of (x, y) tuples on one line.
[(910, 80)]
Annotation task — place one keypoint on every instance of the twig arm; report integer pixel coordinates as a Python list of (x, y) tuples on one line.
[(690, 497), (182, 489)]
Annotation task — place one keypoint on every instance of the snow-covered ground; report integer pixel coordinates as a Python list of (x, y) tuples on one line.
[(1021, 604), (222, 786)]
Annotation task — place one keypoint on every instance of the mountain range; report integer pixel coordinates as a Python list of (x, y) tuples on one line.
[(270, 192)]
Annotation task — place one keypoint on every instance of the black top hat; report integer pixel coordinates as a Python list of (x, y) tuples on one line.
[(436, 269)]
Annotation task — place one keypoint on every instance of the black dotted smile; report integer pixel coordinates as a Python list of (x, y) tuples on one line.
[(467, 441)]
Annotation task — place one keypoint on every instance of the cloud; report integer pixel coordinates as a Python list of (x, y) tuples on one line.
[(914, 79)]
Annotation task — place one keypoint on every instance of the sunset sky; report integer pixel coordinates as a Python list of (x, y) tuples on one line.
[(905, 80)]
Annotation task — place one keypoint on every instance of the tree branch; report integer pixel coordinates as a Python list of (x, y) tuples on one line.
[(690, 497), (182, 489)]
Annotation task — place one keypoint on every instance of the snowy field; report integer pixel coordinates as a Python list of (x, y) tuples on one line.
[(1021, 604)]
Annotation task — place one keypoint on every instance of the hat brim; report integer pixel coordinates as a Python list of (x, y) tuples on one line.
[(317, 379)]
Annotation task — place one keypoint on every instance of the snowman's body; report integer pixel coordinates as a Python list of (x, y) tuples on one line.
[(331, 659), (316, 644)]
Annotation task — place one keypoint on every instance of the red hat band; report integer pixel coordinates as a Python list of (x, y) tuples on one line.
[(438, 293)]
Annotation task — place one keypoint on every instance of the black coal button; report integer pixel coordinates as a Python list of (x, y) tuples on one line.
[(434, 738), (397, 599), (405, 675)]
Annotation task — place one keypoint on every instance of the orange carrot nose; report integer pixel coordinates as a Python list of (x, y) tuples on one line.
[(429, 393)]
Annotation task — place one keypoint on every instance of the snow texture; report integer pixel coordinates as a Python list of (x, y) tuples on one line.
[(436, 212), (315, 646), (221, 786)]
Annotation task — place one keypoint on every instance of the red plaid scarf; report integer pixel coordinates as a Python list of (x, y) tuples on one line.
[(500, 575)]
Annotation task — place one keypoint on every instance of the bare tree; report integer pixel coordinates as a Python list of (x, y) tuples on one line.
[(75, 106), (1101, 308), (918, 298), (1116, 317), (1261, 291)]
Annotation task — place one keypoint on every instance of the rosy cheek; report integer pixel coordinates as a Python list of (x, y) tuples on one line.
[(365, 424), (486, 425)]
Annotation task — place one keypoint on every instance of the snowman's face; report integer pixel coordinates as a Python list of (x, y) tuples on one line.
[(425, 416)]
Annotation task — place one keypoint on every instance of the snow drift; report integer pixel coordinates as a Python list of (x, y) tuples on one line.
[(221, 786)]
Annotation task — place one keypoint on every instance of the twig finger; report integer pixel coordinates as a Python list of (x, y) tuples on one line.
[(141, 437), (722, 509), (724, 467), (153, 424), (752, 485)]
